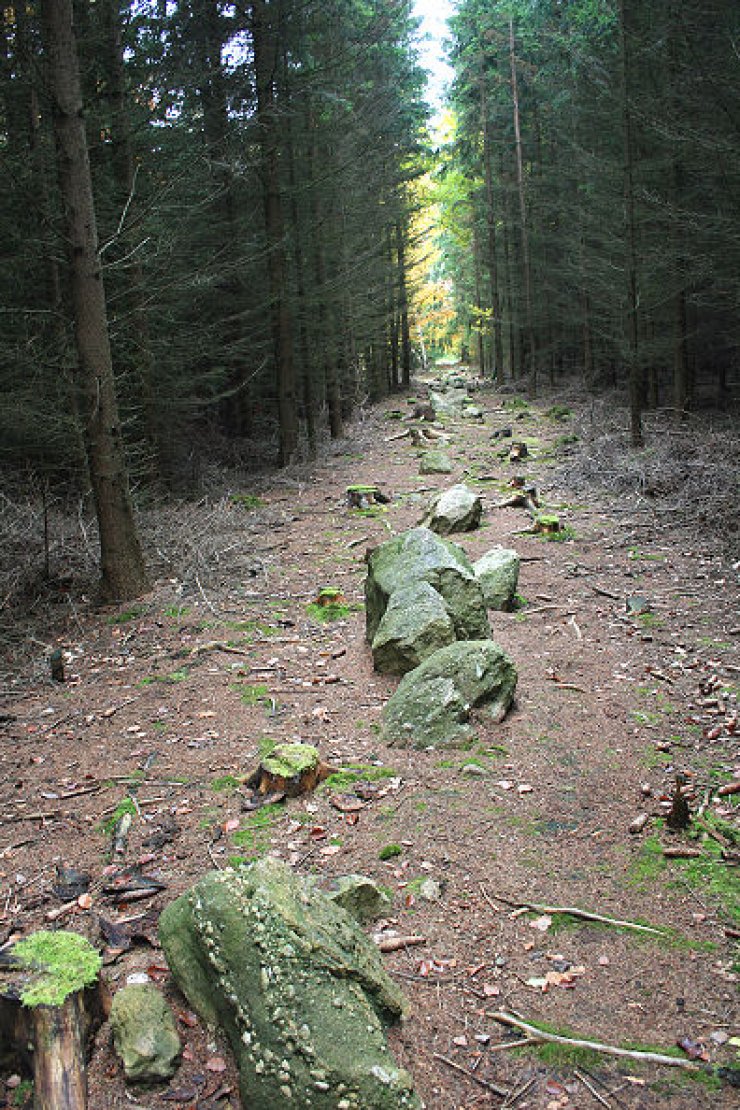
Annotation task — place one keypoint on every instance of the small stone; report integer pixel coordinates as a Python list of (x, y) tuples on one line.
[(360, 897), (144, 1033), (430, 890), (473, 769)]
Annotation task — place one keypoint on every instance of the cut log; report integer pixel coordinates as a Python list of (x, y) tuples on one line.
[(51, 1004)]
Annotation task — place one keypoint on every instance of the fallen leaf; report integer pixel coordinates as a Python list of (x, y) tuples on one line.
[(542, 924), (231, 825), (461, 1042), (524, 788), (216, 1064)]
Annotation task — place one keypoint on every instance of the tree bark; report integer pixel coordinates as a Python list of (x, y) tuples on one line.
[(498, 347), (636, 384), (123, 574), (403, 308), (526, 268), (264, 43)]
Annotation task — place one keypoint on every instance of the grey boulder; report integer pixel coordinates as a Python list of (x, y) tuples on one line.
[(433, 704), (458, 509), (420, 555), (296, 985), (415, 625), (144, 1033), (435, 462), (360, 897), (498, 573)]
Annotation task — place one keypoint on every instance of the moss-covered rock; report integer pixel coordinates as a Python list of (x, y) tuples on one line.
[(498, 573), (296, 985), (421, 556), (415, 624), (433, 704), (144, 1033), (435, 462), (458, 509), (360, 897)]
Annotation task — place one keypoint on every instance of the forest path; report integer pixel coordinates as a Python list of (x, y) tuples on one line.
[(170, 701)]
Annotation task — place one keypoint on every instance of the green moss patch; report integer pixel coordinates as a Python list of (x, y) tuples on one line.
[(356, 772), (60, 963), (249, 501), (390, 851), (226, 784), (291, 760)]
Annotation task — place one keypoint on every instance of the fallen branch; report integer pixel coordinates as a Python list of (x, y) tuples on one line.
[(395, 944), (500, 1091), (604, 593), (585, 915), (217, 645), (594, 1046), (590, 1087)]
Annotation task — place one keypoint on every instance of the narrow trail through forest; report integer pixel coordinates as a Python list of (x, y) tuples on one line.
[(169, 702)]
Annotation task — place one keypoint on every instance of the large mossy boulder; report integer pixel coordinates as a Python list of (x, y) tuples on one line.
[(415, 624), (498, 573), (421, 556), (458, 509), (295, 983), (144, 1033), (433, 704)]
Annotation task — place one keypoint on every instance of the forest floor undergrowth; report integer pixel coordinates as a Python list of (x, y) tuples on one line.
[(626, 646)]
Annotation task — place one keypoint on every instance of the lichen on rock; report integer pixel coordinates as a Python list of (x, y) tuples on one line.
[(296, 985), (416, 623), (421, 556), (433, 704)]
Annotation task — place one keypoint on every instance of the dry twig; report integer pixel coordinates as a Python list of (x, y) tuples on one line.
[(595, 1046)]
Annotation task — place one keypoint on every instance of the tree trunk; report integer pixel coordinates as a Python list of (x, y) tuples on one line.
[(636, 384), (403, 308), (123, 575), (497, 369), (264, 43), (124, 175), (522, 214)]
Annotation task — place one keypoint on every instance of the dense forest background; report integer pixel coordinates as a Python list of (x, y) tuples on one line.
[(226, 226)]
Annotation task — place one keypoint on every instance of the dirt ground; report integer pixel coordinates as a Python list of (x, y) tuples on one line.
[(169, 701)]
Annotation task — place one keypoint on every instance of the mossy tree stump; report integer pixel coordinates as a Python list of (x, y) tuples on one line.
[(547, 524), (51, 1003), (363, 497), (289, 770)]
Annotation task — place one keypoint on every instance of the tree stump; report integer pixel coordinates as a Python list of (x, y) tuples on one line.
[(51, 1003), (289, 770), (363, 497), (547, 524)]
